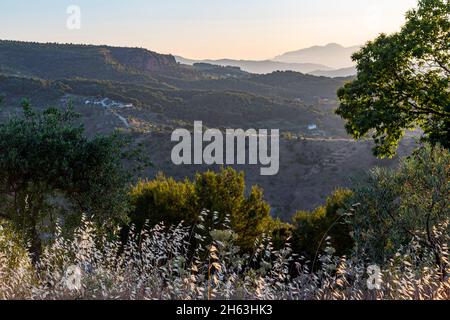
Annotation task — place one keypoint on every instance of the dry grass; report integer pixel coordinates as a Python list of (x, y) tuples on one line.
[(157, 267)]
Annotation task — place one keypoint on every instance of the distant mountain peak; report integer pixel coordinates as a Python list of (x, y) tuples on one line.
[(333, 55), (334, 45)]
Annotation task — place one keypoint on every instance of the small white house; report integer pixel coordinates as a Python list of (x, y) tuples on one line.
[(312, 127)]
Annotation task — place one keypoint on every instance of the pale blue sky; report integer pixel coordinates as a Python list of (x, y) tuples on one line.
[(247, 29)]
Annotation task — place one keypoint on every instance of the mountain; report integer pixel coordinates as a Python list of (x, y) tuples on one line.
[(332, 60), (220, 72), (337, 73), (148, 95), (146, 79), (332, 55), (57, 61), (259, 67)]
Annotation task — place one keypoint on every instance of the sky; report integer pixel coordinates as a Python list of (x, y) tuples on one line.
[(200, 29)]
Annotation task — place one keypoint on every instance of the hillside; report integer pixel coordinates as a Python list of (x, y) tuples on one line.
[(301, 84), (148, 95), (155, 71), (344, 72), (58, 61), (259, 67)]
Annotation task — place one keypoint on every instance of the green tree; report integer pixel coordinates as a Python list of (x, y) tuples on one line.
[(49, 169), (311, 229), (252, 220), (163, 200), (223, 194), (395, 206), (403, 82)]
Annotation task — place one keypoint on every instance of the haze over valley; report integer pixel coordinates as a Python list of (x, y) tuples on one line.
[(332, 60)]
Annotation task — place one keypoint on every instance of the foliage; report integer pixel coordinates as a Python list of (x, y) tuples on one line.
[(49, 169), (15, 265), (163, 199), (403, 82), (223, 193), (87, 266), (60, 61), (396, 206), (326, 225)]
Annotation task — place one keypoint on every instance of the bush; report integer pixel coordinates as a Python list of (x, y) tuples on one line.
[(411, 202), (163, 199), (325, 226), (221, 194)]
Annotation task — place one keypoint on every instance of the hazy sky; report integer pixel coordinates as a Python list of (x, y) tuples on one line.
[(247, 29)]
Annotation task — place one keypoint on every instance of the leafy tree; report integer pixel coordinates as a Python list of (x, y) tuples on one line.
[(312, 229), (395, 206), (280, 232), (403, 82), (48, 168), (252, 220), (222, 194), (163, 200)]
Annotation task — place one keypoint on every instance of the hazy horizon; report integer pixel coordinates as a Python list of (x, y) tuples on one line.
[(200, 29)]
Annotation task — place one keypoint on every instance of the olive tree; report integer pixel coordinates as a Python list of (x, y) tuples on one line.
[(50, 170)]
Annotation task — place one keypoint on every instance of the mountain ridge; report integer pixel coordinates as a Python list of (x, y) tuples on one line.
[(57, 61), (332, 60), (333, 55), (258, 66)]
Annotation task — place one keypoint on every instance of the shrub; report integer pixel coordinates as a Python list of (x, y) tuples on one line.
[(411, 202), (327, 225), (222, 194), (163, 199)]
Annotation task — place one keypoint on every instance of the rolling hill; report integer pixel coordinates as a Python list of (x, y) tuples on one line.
[(258, 67), (152, 95)]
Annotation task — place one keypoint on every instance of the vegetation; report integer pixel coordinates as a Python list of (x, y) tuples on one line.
[(90, 267), (325, 226), (49, 168), (223, 194), (395, 207), (213, 237), (403, 82), (208, 238)]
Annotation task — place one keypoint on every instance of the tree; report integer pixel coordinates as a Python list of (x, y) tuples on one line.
[(403, 82), (163, 200), (252, 220), (311, 229), (49, 168), (397, 206), (223, 194)]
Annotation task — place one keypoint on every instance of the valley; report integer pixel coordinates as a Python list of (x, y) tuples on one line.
[(146, 96)]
